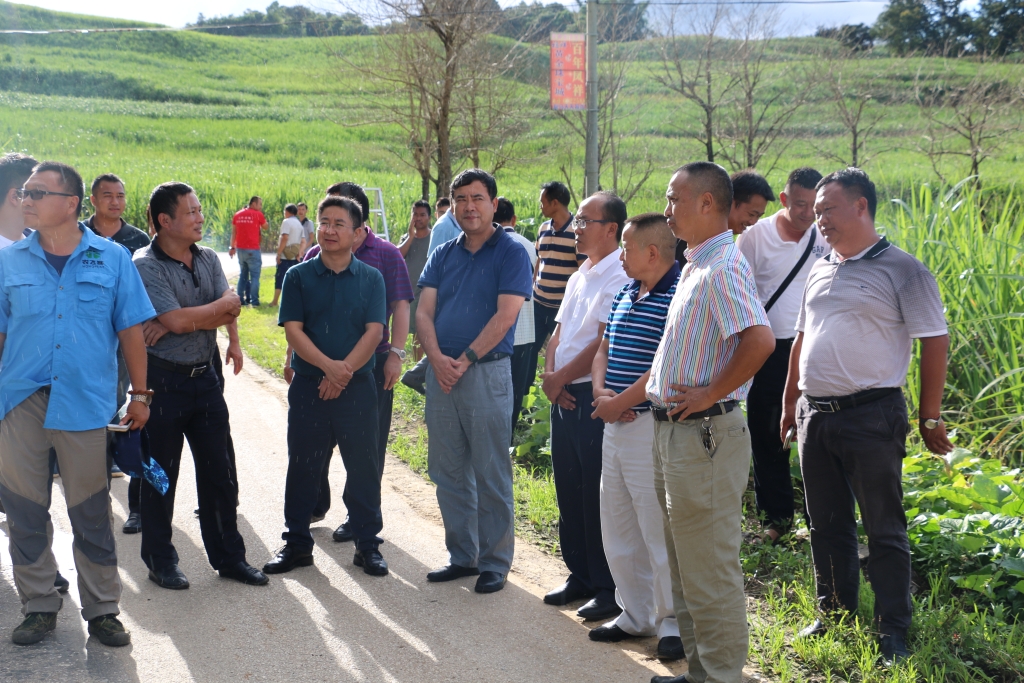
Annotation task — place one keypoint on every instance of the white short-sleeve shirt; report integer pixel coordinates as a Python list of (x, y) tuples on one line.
[(292, 227), (525, 329)]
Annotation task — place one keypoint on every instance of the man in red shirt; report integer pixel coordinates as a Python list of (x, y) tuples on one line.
[(245, 239)]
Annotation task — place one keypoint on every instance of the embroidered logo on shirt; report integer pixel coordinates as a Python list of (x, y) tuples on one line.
[(92, 259)]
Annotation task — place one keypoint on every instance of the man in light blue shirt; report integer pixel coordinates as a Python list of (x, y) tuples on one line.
[(445, 230), (67, 298)]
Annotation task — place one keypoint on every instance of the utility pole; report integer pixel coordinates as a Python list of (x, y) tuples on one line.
[(592, 176)]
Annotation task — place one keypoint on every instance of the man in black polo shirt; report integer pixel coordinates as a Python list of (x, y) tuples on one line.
[(333, 311), (192, 299)]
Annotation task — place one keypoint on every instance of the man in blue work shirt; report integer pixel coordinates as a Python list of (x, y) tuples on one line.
[(333, 311), (67, 297), (473, 288)]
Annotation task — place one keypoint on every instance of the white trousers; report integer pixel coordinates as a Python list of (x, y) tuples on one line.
[(633, 530)]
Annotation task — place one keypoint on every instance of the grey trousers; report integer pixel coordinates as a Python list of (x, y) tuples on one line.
[(25, 484), (701, 496), (468, 460)]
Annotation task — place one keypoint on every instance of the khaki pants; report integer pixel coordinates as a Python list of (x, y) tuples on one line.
[(25, 483), (701, 497)]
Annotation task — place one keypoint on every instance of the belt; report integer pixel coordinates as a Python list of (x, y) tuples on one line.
[(661, 414), (581, 388), (190, 370), (492, 356), (833, 404)]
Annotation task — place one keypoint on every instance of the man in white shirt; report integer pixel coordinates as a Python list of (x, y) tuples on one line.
[(775, 247), (309, 230), (522, 343), (290, 247), (576, 438)]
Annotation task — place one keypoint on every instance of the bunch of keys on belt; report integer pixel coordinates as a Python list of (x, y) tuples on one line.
[(707, 436)]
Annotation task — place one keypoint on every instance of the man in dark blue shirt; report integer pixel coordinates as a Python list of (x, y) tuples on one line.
[(333, 312), (473, 288)]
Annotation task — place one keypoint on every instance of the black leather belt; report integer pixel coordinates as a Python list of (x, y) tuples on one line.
[(580, 388), (190, 370), (492, 356), (661, 414), (833, 404)]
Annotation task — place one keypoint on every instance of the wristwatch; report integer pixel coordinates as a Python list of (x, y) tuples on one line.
[(931, 423), (471, 355), (398, 352), (144, 396)]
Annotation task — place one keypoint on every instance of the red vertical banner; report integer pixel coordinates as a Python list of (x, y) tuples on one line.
[(568, 71)]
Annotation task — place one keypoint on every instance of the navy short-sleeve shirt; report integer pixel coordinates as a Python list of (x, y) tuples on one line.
[(334, 308), (468, 286)]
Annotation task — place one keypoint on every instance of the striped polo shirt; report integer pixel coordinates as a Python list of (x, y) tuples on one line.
[(558, 261), (634, 330), (716, 298)]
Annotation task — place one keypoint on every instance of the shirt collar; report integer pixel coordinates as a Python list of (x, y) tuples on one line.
[(664, 284), (161, 254), (369, 243), (91, 224), (491, 241), (871, 252), (320, 267), (564, 227), (589, 268), (90, 240), (703, 252)]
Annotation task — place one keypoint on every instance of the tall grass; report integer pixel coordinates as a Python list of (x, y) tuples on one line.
[(975, 248)]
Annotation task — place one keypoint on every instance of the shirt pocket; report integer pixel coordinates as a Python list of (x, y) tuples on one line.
[(95, 295), (27, 294)]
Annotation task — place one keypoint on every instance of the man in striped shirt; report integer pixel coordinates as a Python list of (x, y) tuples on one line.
[(631, 521), (557, 261), (716, 337)]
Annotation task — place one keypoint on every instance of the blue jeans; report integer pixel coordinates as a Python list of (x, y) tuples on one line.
[(249, 261)]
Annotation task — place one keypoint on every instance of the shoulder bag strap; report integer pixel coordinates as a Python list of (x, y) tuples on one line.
[(792, 273)]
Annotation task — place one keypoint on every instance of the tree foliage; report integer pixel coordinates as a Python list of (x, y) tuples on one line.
[(285, 22)]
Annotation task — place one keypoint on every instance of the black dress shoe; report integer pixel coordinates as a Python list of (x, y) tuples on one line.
[(894, 650), (817, 628), (61, 584), (243, 572), (450, 573), (133, 524), (288, 558), (169, 577), (670, 649), (609, 633), (490, 582), (669, 679), (343, 534), (566, 593), (371, 561), (598, 609)]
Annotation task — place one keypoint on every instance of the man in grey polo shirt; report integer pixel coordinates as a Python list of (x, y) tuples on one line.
[(863, 305), (192, 299)]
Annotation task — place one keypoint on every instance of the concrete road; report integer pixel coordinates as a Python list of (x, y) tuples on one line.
[(329, 622), (230, 263)]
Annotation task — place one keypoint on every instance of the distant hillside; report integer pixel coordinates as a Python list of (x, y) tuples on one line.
[(26, 18)]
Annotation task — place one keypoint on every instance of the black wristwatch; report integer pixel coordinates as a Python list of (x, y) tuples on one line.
[(471, 355)]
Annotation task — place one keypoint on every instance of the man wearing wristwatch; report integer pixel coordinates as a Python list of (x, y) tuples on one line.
[(473, 287), (67, 299), (863, 305)]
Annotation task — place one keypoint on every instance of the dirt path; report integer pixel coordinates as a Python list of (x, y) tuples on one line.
[(330, 622)]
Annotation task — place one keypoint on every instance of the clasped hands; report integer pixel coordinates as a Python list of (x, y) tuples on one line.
[(337, 375), (448, 371)]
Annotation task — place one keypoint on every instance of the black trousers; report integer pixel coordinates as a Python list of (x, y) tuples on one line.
[(385, 406), (856, 456), (576, 452), (135, 484), (773, 484), (521, 379), (543, 325), (314, 426), (191, 408)]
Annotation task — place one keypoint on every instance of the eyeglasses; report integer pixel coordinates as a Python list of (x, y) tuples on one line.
[(36, 195), (581, 223)]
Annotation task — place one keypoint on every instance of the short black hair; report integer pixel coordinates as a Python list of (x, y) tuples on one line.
[(708, 176), (14, 171), (423, 204), (506, 211), (352, 191), (748, 184), (471, 175), (254, 199), (614, 209), (104, 178), (855, 180), (164, 199), (443, 201), (652, 228), (301, 205), (805, 176), (557, 191), (350, 205), (70, 179), (291, 209)]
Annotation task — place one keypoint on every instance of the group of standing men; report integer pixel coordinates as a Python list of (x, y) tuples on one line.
[(648, 360)]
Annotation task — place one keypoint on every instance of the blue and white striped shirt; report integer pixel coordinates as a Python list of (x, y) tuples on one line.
[(634, 330)]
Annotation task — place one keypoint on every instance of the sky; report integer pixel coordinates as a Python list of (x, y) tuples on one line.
[(798, 19)]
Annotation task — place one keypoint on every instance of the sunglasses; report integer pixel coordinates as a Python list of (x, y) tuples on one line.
[(36, 195)]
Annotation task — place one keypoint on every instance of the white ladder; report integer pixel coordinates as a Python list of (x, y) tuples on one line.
[(378, 219)]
